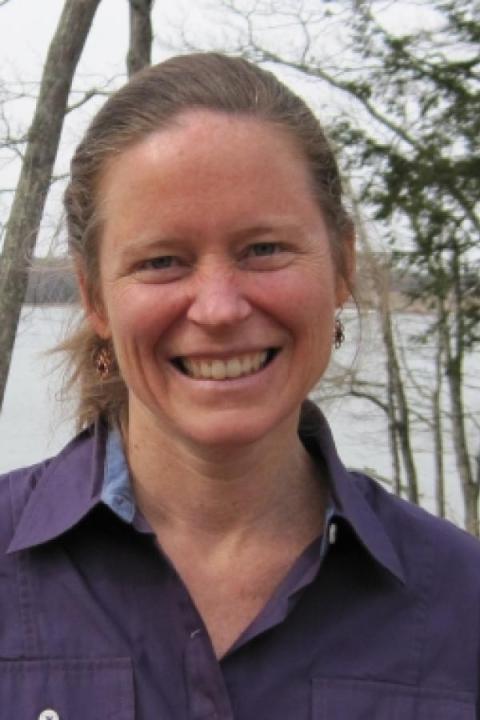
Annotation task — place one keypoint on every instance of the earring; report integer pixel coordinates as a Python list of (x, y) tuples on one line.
[(339, 333), (104, 361)]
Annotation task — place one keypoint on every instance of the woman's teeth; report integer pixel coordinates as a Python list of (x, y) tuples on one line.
[(224, 369)]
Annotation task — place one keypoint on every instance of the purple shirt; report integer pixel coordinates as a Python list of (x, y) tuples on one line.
[(379, 619)]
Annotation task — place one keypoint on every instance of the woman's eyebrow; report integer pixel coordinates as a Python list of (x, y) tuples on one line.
[(171, 241), (282, 227), (148, 245)]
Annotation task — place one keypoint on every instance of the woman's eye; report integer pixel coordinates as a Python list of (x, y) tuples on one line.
[(263, 256), (264, 249), (160, 263), (161, 269)]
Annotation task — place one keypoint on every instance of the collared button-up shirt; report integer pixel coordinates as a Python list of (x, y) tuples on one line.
[(376, 620)]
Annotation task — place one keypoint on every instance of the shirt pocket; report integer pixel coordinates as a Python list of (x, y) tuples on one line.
[(335, 699), (97, 689)]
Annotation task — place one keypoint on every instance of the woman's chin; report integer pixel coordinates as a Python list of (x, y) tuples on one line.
[(234, 428), (222, 434)]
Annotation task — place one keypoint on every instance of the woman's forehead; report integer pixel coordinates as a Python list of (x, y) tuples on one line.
[(190, 131), (247, 177)]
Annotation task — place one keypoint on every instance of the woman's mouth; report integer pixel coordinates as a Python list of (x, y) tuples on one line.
[(225, 369)]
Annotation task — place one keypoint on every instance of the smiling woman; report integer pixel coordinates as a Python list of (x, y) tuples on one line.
[(199, 551), (218, 289)]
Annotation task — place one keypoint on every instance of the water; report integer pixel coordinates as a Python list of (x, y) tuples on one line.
[(34, 424)]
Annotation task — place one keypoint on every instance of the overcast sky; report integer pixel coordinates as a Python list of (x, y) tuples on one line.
[(27, 26)]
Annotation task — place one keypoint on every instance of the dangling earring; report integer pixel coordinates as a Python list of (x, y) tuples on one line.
[(104, 361), (339, 333)]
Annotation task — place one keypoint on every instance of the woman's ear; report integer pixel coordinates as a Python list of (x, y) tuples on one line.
[(94, 310), (346, 278)]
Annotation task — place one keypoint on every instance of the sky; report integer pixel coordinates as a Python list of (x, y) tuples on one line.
[(27, 26)]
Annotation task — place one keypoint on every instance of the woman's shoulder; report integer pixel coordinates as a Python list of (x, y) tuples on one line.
[(28, 476), (22, 478), (15, 488), (18, 485), (407, 525), (417, 533)]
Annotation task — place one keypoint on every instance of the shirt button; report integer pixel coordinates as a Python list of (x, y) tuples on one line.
[(332, 533), (49, 715)]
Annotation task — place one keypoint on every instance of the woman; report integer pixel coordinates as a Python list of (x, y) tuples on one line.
[(199, 551)]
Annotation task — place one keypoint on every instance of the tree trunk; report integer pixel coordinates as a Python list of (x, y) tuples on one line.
[(403, 425), (398, 413), (139, 53), (37, 167), (437, 413), (469, 486), (393, 435), (477, 463), (455, 383)]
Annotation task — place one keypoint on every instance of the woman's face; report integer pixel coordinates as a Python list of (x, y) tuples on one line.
[(217, 282)]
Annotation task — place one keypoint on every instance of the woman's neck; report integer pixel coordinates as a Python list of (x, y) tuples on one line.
[(215, 493)]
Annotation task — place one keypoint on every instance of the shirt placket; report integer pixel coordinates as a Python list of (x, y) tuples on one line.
[(207, 690), (208, 696)]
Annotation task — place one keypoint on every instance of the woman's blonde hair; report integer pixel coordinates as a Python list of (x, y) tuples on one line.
[(148, 103)]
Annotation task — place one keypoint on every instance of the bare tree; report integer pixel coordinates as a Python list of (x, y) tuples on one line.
[(37, 167), (396, 406), (140, 50)]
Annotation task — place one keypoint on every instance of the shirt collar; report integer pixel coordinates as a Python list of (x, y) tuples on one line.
[(73, 483), (117, 491), (348, 498), (67, 489)]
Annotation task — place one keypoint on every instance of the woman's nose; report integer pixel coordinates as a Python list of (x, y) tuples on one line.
[(218, 300)]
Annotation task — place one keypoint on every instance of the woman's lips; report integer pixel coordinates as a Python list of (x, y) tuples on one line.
[(235, 366)]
